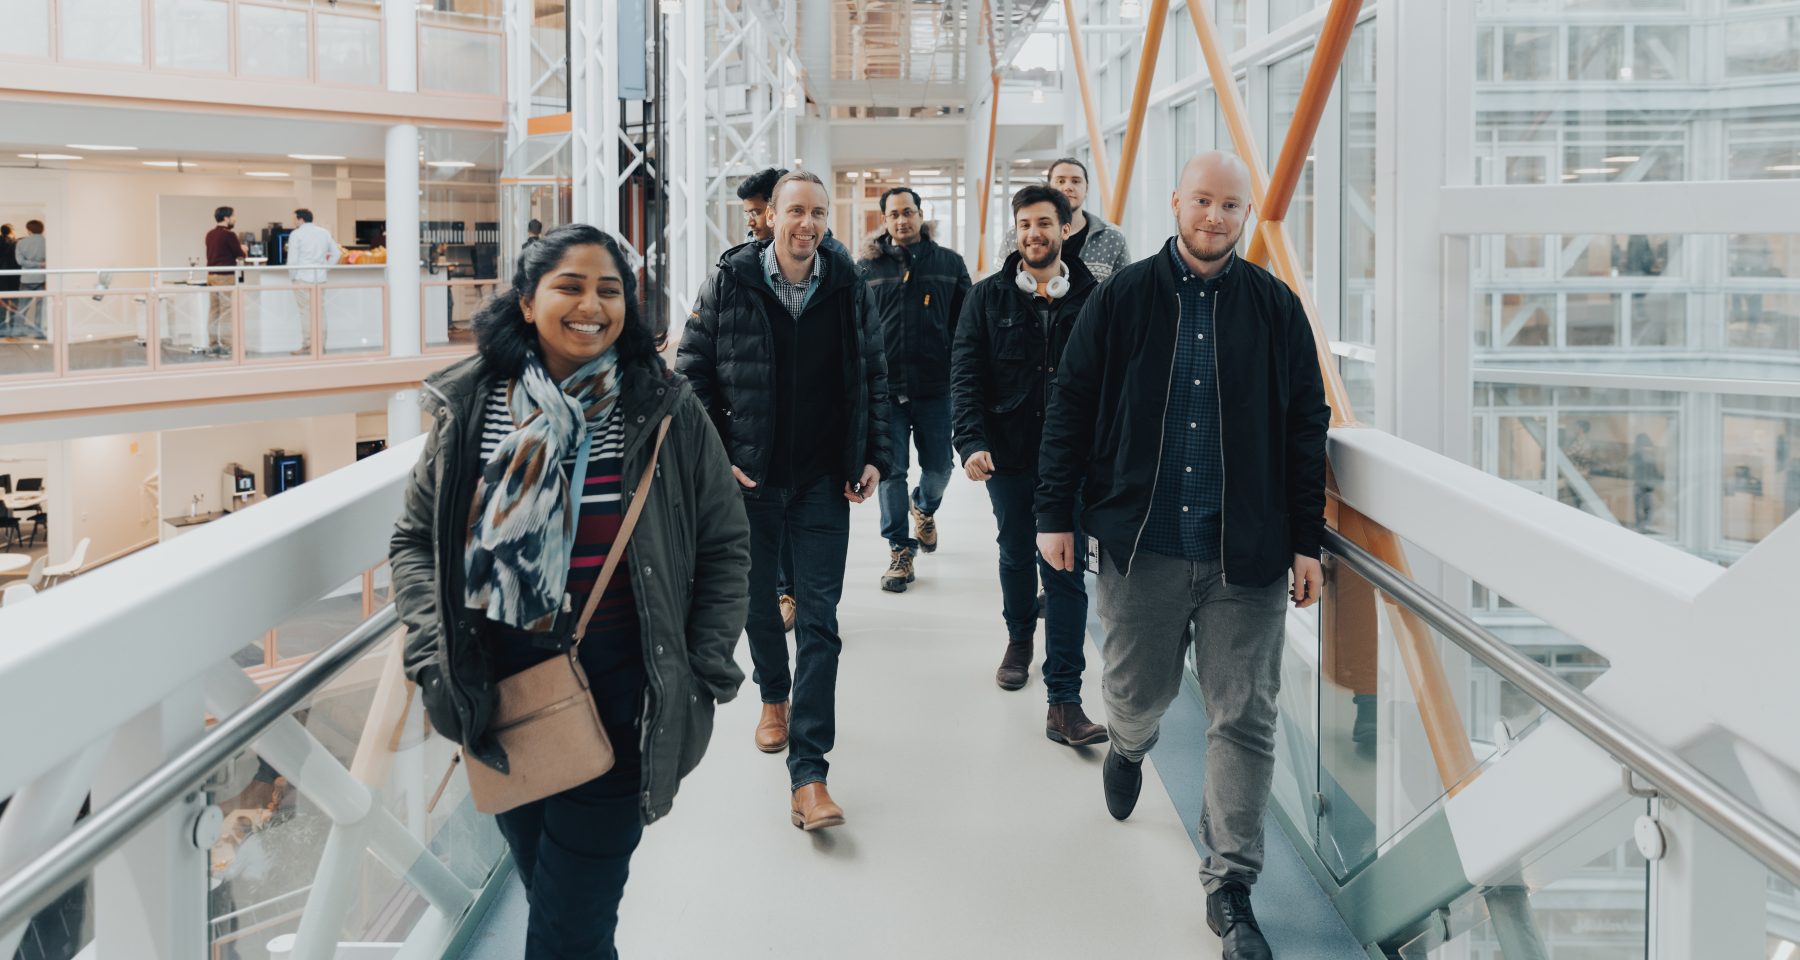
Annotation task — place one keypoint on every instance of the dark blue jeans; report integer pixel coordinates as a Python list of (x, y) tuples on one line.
[(816, 521), (1065, 593), (573, 850), (926, 421)]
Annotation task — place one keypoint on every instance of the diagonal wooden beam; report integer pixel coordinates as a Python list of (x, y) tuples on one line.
[(1140, 101), (1095, 143), (987, 176), (1315, 94)]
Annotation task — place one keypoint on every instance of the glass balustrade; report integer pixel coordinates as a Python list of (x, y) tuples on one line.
[(86, 323)]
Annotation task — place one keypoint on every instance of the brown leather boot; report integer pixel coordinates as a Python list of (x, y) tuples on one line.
[(1015, 664), (813, 809), (1067, 723), (772, 729)]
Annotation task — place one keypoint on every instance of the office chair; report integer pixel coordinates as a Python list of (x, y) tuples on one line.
[(30, 484)]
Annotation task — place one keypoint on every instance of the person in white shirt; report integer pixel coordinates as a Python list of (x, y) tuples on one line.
[(310, 250)]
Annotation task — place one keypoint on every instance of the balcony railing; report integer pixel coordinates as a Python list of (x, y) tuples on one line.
[(330, 42), (108, 323)]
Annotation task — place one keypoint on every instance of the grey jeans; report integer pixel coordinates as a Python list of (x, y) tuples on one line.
[(1237, 636)]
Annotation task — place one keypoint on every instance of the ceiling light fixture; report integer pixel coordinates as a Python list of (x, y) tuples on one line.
[(175, 164), (1783, 168), (671, 8), (1625, 158), (314, 156), (924, 173), (49, 156), (1129, 10), (1589, 171), (451, 164), (264, 173), (98, 147)]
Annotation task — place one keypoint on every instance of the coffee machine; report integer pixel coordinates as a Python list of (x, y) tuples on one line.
[(237, 487), (282, 471)]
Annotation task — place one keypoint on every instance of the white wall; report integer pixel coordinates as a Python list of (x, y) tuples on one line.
[(109, 500), (193, 460), (26, 460)]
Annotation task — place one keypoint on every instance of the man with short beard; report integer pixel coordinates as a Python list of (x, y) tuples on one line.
[(1097, 244), (1009, 343), (1190, 417)]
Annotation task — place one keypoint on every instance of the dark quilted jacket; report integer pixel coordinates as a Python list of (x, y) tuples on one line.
[(728, 354), (918, 293)]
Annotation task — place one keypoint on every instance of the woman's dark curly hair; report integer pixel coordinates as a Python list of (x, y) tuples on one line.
[(501, 333)]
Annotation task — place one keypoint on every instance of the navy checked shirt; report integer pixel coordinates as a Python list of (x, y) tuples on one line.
[(1190, 482), (793, 296)]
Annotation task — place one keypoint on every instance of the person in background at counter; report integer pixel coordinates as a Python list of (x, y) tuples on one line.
[(536, 229), (9, 283), (30, 252), (310, 250), (223, 249)]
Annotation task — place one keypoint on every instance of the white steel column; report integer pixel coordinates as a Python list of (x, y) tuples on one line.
[(687, 197), (595, 124), (400, 24), (405, 322)]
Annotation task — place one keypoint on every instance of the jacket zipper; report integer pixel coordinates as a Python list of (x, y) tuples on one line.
[(1162, 437), (445, 622), (1219, 401)]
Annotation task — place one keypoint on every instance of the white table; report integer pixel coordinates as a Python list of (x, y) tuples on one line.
[(24, 501), (14, 562)]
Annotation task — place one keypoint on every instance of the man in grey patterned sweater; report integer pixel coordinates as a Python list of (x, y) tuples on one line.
[(1099, 245)]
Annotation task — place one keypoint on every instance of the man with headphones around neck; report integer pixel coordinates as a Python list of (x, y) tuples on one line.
[(1009, 345)]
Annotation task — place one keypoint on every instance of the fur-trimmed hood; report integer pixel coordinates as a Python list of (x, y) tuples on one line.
[(881, 245)]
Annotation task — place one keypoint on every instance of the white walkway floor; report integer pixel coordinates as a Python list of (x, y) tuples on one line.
[(969, 834)]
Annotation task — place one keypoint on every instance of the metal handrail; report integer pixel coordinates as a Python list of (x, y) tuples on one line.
[(38, 883), (1758, 834)]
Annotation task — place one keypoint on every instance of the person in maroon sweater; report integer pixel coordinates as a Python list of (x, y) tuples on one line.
[(222, 250)]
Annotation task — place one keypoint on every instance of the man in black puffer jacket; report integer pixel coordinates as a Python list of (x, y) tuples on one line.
[(918, 288), (782, 350)]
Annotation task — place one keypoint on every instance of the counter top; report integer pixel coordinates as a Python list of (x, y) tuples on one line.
[(193, 521)]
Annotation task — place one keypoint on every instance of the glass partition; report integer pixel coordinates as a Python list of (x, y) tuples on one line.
[(104, 31), (349, 50), (27, 32), (192, 35), (273, 43)]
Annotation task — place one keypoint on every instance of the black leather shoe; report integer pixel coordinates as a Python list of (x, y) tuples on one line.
[(1123, 779), (1228, 914)]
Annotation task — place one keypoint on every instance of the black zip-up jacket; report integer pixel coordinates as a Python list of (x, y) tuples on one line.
[(1003, 367), (919, 293), (728, 354), (1104, 430), (689, 559)]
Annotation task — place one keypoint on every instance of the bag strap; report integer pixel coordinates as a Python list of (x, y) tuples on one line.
[(617, 552)]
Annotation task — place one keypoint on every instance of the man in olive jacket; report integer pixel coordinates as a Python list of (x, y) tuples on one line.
[(781, 348), (1190, 415), (918, 287)]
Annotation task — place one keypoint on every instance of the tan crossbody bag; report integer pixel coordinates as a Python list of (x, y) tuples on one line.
[(545, 718)]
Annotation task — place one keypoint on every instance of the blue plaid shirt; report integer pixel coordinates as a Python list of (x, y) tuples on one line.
[(793, 296), (1190, 481)]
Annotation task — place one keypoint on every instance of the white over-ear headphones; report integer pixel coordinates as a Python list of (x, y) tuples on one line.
[(1057, 288)]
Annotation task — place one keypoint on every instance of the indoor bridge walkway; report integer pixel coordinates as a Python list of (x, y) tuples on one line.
[(969, 834)]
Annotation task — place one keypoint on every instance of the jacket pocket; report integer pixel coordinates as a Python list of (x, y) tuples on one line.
[(697, 727), (439, 707)]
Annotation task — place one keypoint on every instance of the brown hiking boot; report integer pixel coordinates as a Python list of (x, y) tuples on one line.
[(1015, 664), (924, 530), (772, 729), (899, 572), (789, 610), (1067, 723)]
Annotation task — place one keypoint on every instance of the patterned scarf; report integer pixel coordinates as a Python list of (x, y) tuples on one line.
[(521, 529)]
